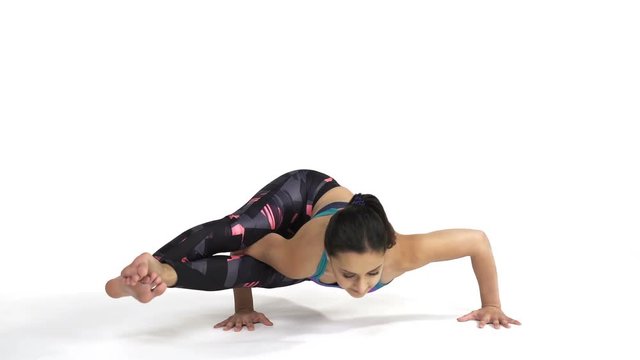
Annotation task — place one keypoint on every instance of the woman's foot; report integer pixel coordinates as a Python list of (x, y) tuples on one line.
[(144, 268), (144, 293)]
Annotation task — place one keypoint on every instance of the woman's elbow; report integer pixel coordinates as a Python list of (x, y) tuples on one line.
[(480, 241)]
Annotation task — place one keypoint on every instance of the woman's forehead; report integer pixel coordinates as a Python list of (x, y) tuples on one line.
[(358, 263)]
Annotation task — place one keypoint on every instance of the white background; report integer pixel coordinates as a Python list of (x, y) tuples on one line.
[(124, 123)]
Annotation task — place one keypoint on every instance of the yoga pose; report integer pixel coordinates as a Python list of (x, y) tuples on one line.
[(304, 226)]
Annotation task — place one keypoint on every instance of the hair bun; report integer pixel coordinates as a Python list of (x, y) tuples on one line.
[(358, 200)]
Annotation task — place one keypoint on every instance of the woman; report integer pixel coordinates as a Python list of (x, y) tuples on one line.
[(304, 226)]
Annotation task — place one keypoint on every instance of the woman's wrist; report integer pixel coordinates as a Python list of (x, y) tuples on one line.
[(497, 306), (244, 309)]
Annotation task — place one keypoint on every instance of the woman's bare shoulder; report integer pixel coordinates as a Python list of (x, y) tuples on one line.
[(395, 259), (306, 246)]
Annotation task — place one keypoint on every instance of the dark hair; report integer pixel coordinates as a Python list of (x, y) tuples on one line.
[(360, 227)]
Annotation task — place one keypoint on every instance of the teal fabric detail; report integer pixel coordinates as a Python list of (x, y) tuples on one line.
[(326, 212), (322, 265)]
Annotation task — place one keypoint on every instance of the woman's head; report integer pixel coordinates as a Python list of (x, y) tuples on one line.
[(356, 240)]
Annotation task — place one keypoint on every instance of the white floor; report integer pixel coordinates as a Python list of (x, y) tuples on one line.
[(307, 325), (310, 322)]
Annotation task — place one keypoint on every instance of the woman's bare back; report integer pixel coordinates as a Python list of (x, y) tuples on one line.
[(312, 235)]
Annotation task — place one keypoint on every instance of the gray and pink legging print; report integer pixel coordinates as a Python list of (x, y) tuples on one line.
[(282, 206)]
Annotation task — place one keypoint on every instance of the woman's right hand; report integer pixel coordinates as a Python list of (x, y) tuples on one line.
[(243, 318)]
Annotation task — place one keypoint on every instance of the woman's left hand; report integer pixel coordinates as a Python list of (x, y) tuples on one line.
[(490, 315)]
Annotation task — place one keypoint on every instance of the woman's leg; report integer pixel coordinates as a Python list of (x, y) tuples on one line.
[(213, 273), (282, 206), (221, 272), (278, 207)]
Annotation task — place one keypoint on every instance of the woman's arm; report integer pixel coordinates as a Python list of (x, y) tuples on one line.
[(244, 315), (421, 249), (243, 299), (453, 244)]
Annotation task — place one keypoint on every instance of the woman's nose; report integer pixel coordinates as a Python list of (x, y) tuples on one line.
[(361, 286)]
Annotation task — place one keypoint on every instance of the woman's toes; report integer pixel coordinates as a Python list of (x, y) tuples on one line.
[(156, 282), (160, 289), (152, 277)]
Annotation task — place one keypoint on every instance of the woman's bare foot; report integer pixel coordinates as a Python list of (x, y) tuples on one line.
[(144, 268), (144, 293)]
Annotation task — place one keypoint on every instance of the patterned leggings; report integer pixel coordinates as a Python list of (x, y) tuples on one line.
[(282, 206)]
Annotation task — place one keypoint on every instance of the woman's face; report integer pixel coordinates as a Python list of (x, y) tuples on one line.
[(357, 273)]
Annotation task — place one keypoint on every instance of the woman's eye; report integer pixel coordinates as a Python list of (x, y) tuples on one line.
[(370, 274)]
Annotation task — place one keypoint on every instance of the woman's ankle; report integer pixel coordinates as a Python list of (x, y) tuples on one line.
[(169, 275)]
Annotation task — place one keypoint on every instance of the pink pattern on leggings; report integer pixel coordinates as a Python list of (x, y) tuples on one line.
[(251, 284), (268, 213), (238, 229)]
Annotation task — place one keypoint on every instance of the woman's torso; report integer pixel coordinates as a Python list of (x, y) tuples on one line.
[(316, 228)]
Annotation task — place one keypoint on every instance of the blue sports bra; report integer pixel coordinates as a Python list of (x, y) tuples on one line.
[(331, 209)]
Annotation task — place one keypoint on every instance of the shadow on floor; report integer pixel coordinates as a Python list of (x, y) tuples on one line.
[(180, 320)]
